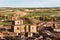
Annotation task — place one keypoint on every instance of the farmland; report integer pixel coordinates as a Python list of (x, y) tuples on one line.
[(30, 12), (7, 13)]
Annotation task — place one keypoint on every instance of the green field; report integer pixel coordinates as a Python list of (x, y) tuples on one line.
[(40, 12), (9, 12)]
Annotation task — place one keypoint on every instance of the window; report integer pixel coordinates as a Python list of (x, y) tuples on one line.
[(17, 28), (18, 22)]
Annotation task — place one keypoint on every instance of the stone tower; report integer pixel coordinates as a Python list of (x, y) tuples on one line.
[(18, 23)]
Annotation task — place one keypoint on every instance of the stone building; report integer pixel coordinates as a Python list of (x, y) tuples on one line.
[(17, 23), (31, 29), (19, 27)]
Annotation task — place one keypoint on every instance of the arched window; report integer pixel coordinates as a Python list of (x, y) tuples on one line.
[(17, 28)]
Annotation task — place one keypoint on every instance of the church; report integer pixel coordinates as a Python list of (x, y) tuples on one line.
[(19, 26)]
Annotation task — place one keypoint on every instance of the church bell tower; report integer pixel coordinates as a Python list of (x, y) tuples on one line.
[(18, 23)]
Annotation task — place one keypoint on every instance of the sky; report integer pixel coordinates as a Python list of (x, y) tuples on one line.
[(29, 3)]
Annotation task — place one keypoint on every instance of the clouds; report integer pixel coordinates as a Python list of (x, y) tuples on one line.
[(30, 3)]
